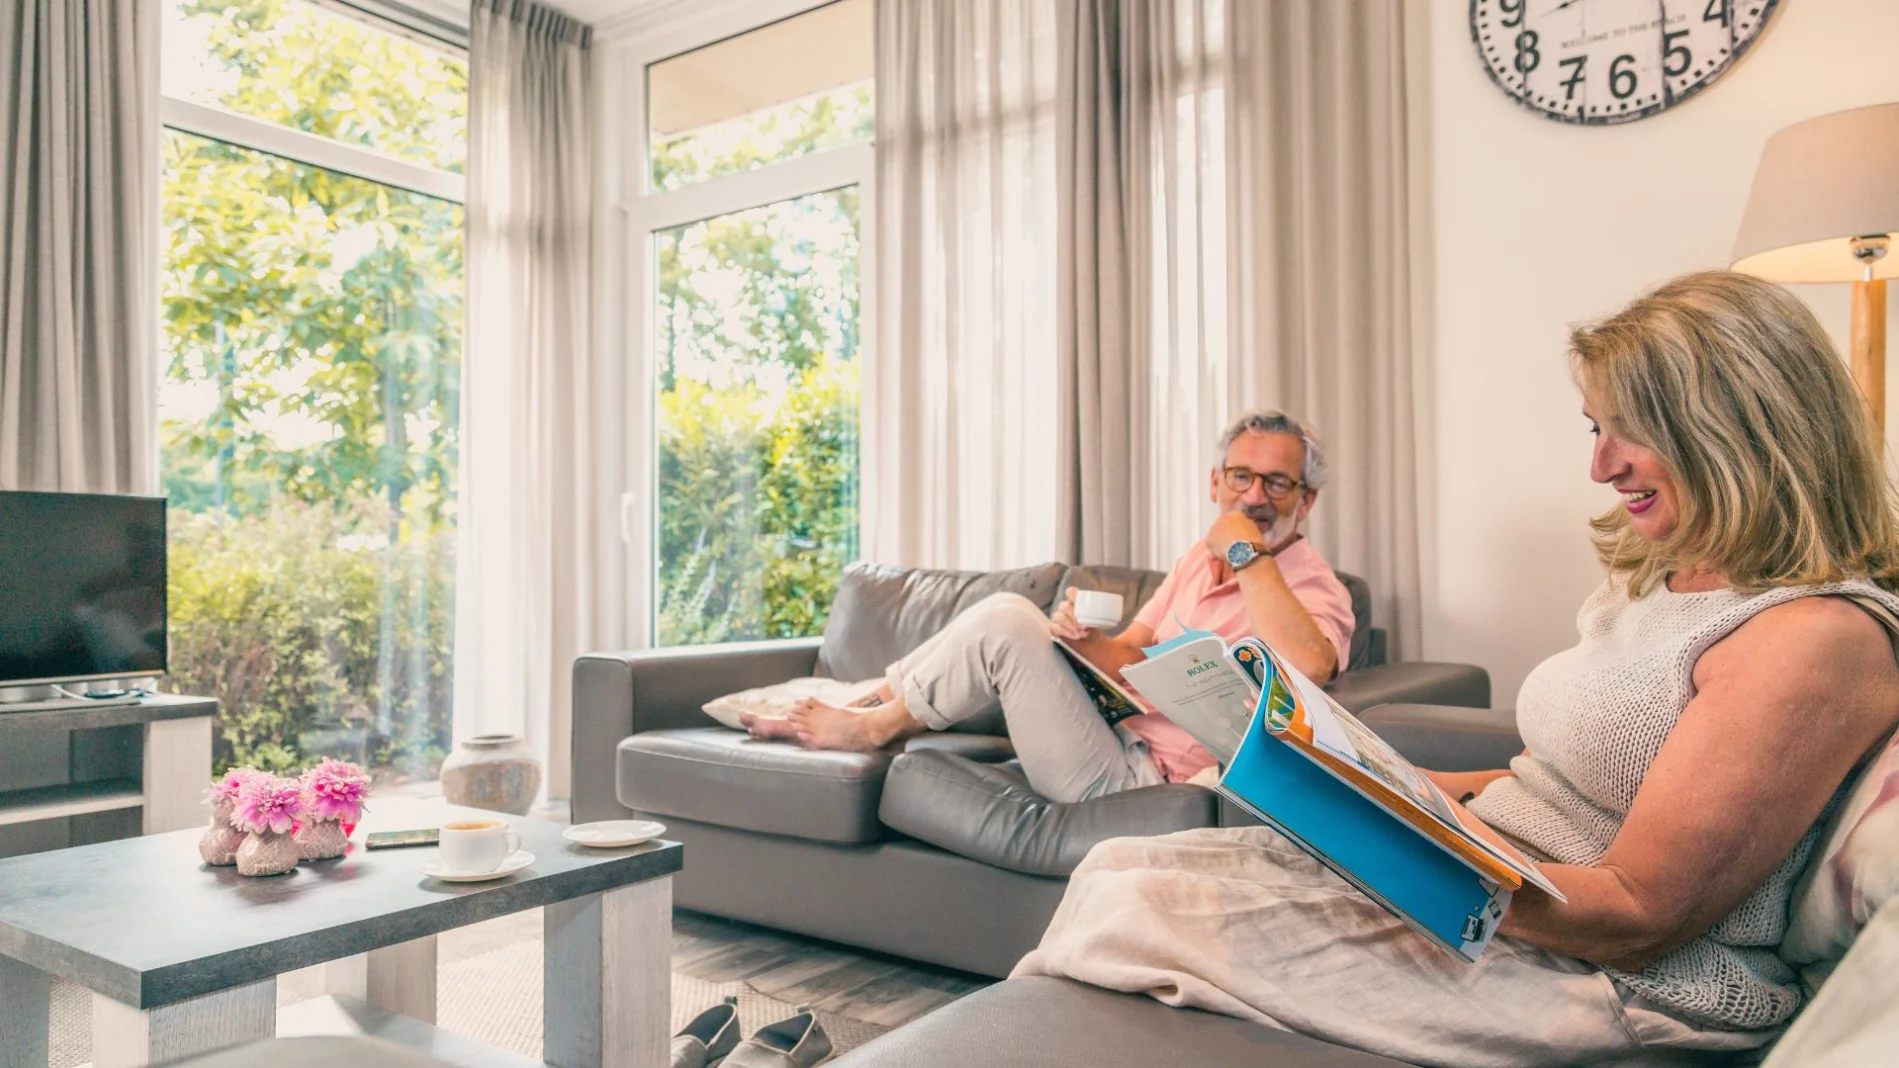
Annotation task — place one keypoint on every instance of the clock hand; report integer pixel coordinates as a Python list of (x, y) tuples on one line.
[(1561, 6)]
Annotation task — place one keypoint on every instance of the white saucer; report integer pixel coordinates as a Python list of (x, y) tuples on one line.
[(612, 834), (517, 860)]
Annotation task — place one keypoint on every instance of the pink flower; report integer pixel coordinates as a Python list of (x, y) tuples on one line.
[(334, 790), (226, 789), (267, 803)]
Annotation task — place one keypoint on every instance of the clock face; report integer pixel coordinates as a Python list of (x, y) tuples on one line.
[(1606, 61)]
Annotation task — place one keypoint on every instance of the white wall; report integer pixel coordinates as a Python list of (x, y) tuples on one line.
[(1538, 225)]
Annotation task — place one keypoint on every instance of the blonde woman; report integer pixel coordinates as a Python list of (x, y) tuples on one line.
[(1733, 670)]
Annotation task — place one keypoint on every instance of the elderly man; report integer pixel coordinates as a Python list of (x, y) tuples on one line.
[(1253, 574)]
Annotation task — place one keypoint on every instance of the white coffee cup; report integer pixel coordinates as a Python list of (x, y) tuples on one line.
[(1098, 609), (477, 846)]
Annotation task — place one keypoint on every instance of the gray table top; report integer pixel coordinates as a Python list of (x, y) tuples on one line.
[(145, 922)]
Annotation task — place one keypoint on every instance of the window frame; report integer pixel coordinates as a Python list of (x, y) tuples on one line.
[(273, 139), (629, 317)]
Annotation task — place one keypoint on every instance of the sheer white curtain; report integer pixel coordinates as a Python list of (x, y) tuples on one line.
[(79, 245), (960, 388), (527, 548)]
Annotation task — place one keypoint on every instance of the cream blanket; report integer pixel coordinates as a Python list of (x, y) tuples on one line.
[(1241, 922)]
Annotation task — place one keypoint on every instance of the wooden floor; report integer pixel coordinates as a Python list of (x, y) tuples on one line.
[(864, 986)]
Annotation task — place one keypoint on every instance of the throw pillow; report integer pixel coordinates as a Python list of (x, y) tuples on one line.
[(1854, 871), (1855, 1021), (777, 700)]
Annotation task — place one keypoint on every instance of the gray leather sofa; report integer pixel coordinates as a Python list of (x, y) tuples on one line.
[(938, 853)]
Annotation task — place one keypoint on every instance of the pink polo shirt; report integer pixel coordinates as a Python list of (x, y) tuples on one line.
[(1203, 595)]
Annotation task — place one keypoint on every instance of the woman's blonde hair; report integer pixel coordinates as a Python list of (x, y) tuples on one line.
[(1734, 385)]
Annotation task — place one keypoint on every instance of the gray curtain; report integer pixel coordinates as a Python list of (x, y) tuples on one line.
[(79, 245), (1233, 233), (527, 546), (1318, 162)]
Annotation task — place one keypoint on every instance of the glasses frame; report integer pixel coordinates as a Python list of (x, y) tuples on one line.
[(1292, 486)]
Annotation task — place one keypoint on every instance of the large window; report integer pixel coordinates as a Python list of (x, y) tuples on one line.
[(758, 161), (309, 400)]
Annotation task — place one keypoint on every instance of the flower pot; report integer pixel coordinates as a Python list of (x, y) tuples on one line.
[(268, 853), (321, 840), (497, 772), (219, 845)]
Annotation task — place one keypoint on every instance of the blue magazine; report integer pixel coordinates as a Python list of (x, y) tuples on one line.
[(1306, 767)]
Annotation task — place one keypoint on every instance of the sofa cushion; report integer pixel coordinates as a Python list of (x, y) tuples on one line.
[(720, 776), (1854, 870), (731, 779), (988, 813), (1039, 1022), (882, 612)]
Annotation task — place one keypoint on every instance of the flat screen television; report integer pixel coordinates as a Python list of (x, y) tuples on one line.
[(82, 587)]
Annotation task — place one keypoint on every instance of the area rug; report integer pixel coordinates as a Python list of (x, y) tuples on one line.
[(494, 996)]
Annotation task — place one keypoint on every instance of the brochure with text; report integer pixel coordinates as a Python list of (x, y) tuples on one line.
[(1296, 759)]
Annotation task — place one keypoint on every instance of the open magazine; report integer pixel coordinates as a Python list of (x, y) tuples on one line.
[(1299, 761)]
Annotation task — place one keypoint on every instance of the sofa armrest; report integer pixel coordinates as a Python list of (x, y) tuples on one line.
[(619, 694), (1442, 738), (1412, 683)]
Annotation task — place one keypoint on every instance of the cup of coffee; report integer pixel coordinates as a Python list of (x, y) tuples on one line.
[(1098, 609), (476, 847)]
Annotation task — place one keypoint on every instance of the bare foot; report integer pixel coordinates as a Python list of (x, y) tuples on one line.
[(770, 727), (822, 726)]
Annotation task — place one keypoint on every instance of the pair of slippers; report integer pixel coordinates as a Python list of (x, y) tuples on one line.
[(712, 1038)]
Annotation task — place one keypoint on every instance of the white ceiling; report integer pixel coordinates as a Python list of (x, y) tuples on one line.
[(595, 11)]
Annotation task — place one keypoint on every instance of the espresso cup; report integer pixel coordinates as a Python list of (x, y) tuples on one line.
[(477, 846), (1097, 608)]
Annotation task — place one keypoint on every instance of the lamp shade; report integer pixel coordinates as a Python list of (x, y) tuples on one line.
[(1820, 184)]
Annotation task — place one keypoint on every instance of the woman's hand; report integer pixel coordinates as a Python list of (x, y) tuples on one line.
[(1063, 624)]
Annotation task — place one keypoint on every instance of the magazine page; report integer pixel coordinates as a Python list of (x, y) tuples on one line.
[(1111, 699), (1190, 681), (1338, 735)]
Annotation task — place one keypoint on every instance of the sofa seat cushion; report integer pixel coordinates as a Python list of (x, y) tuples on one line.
[(1038, 1022), (988, 813), (721, 776), (731, 779)]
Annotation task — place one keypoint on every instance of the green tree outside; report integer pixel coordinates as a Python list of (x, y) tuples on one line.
[(312, 345)]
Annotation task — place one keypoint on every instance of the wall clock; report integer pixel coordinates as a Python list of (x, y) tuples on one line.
[(1608, 61)]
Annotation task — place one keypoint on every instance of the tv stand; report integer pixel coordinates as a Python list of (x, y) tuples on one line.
[(73, 772), (57, 704)]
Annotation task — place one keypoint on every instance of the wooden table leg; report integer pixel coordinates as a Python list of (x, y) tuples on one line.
[(607, 982), (125, 1037), (399, 978), (177, 767), (26, 1015)]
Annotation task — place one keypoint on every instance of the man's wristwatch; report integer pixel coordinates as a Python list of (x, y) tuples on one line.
[(1241, 554)]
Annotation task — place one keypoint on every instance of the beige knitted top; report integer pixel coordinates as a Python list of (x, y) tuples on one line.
[(1594, 718)]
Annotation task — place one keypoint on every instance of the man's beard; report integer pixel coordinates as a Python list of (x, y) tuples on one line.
[(1276, 528)]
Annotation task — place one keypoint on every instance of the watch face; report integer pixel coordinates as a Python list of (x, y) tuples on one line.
[(1609, 61), (1240, 553)]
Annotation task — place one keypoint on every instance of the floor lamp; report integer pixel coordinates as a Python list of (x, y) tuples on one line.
[(1824, 208)]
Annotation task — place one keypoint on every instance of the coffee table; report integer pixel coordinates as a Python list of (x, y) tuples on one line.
[(183, 959)]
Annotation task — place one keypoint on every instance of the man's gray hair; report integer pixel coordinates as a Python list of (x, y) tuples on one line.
[(1267, 421)]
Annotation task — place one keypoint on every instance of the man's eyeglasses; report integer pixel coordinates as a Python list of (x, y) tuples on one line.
[(1277, 486)]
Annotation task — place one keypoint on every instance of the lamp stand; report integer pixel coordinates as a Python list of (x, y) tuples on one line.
[(1869, 347)]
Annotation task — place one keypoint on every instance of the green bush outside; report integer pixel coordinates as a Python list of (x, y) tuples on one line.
[(317, 641)]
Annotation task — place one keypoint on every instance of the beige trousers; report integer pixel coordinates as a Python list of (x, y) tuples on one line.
[(998, 655)]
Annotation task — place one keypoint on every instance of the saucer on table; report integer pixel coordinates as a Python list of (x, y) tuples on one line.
[(612, 834), (517, 861)]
